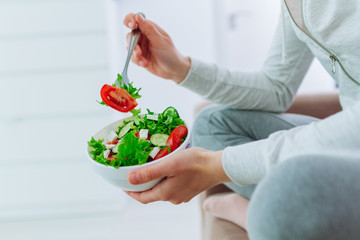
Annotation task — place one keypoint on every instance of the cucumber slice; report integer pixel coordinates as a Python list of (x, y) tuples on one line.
[(171, 111), (159, 139), (126, 129)]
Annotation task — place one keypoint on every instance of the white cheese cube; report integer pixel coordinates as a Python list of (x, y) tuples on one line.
[(144, 133), (154, 117), (106, 153), (154, 152), (115, 148), (110, 146), (112, 136)]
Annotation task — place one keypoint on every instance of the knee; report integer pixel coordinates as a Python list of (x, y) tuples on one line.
[(289, 202), (202, 125)]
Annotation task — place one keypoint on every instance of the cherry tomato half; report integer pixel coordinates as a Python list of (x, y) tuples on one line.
[(117, 98), (174, 140), (162, 153)]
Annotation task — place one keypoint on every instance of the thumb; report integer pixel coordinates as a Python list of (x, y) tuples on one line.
[(147, 174)]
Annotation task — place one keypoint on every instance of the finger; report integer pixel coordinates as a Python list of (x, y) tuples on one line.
[(145, 54), (138, 52), (144, 45), (139, 60), (129, 21), (147, 27), (135, 60), (139, 57), (147, 174), (152, 195), (127, 40), (141, 196), (136, 196), (160, 192)]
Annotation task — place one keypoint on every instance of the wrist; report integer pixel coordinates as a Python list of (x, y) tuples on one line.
[(216, 167), (182, 69)]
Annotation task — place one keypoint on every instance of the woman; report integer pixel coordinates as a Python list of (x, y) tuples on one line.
[(300, 173)]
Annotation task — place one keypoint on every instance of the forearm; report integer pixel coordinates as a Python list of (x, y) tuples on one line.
[(334, 136)]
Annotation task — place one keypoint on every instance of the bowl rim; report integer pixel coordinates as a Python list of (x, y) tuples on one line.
[(186, 141)]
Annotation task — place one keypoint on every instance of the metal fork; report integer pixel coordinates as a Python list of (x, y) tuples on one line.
[(134, 38)]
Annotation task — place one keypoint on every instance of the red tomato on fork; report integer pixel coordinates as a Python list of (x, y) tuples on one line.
[(117, 98)]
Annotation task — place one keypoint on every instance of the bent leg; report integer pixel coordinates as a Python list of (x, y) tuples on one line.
[(310, 198), (217, 127)]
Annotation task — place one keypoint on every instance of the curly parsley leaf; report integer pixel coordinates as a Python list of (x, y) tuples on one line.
[(149, 112), (97, 147), (137, 119), (102, 103), (133, 91)]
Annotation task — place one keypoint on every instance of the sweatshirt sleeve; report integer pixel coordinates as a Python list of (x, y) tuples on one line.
[(336, 136), (271, 89)]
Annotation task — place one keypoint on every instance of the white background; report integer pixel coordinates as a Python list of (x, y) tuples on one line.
[(54, 57)]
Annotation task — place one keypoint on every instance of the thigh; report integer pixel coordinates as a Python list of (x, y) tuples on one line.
[(307, 198), (217, 127)]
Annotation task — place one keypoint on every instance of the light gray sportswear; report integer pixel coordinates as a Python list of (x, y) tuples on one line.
[(326, 29), (304, 198)]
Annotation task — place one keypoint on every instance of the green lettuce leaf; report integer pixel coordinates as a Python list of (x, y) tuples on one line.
[(132, 150)]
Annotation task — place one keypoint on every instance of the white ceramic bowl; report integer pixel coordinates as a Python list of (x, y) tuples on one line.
[(119, 177)]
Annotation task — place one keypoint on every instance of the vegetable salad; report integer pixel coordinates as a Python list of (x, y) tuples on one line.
[(141, 139)]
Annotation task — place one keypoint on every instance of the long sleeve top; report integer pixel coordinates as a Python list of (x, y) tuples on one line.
[(326, 29)]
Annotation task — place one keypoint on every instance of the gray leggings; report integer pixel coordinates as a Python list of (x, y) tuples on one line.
[(303, 198)]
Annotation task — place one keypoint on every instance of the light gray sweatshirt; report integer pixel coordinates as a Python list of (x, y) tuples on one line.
[(326, 29)]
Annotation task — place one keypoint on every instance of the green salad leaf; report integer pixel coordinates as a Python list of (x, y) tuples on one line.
[(97, 151), (132, 150), (98, 146), (133, 91), (136, 118), (167, 121)]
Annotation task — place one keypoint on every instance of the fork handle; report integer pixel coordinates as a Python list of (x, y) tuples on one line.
[(134, 38)]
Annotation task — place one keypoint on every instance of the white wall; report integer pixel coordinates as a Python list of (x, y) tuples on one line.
[(53, 62)]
